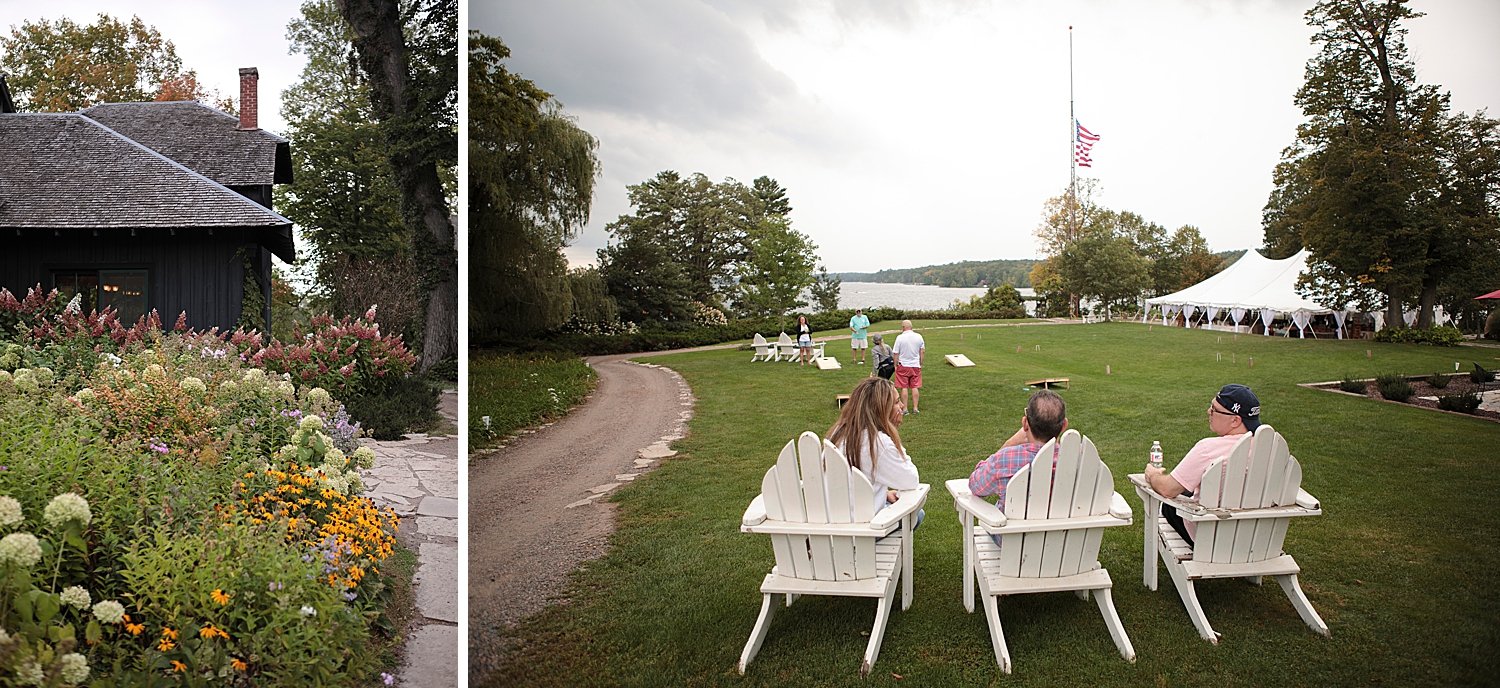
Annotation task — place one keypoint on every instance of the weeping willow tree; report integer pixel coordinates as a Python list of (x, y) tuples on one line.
[(531, 182)]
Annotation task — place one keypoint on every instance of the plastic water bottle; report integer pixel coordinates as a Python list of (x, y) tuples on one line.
[(1156, 454)]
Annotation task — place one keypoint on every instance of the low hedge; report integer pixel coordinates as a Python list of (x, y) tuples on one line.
[(1437, 336)]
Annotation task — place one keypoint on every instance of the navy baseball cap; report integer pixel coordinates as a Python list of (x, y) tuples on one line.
[(1239, 400)]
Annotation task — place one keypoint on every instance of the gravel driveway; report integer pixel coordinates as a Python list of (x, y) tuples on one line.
[(524, 539)]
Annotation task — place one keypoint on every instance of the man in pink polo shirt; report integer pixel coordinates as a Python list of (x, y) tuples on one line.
[(1234, 411)]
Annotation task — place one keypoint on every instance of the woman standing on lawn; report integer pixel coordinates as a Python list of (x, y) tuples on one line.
[(804, 339), (866, 432)]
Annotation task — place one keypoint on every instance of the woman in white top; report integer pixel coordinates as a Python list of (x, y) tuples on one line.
[(870, 418)]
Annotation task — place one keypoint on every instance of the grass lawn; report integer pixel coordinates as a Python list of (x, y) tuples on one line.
[(519, 391), (1402, 565)]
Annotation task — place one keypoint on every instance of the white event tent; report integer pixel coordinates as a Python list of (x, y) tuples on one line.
[(1255, 286)]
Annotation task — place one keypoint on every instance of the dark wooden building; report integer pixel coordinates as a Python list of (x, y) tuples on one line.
[(143, 206)]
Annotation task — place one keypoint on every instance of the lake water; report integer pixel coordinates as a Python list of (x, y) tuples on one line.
[(910, 296)]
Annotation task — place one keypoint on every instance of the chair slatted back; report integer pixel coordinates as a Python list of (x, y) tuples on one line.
[(1259, 472), (759, 340), (813, 483), (1076, 484), (784, 340)]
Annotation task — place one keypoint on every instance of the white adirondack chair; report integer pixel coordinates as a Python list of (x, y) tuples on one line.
[(1050, 528), (763, 350), (786, 348), (827, 538), (1241, 509)]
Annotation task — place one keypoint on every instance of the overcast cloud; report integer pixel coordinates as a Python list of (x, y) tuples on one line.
[(914, 133)]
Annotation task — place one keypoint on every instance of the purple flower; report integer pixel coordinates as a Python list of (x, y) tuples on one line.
[(158, 446), (273, 586), (349, 596), (387, 679)]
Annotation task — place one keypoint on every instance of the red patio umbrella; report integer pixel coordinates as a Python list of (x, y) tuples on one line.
[(1492, 295)]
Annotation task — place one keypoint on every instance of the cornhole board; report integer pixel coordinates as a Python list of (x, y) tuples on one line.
[(1049, 382), (827, 363), (841, 398), (958, 360)]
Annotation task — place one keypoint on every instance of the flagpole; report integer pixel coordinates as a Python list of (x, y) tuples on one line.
[(1073, 148)]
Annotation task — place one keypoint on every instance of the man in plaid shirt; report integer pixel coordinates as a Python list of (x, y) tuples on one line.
[(1046, 417)]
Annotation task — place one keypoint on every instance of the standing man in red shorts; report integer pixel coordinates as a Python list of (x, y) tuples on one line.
[(909, 350)]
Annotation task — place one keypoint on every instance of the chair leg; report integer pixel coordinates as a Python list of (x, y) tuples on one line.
[(1189, 597), (877, 632), (758, 635), (1081, 594), (908, 544), (971, 569), (1305, 609), (1112, 620), (997, 636)]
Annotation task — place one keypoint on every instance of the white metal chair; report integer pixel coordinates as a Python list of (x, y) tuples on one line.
[(828, 539), (1054, 516), (1241, 512)]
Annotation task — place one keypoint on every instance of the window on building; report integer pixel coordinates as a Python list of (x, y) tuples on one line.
[(122, 290)]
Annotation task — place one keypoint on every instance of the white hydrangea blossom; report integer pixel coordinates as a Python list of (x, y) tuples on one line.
[(364, 457), (10, 511), (109, 611), (30, 673), (192, 385), (76, 597), (75, 668), (66, 507), (84, 395), (20, 549), (310, 423), (155, 370), (43, 375), (319, 396)]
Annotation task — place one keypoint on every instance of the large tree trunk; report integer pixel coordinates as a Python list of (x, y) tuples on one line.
[(1425, 302), (1393, 309), (383, 57)]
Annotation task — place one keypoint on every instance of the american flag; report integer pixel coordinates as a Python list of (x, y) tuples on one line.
[(1083, 142)]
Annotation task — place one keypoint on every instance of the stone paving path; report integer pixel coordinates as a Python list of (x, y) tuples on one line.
[(418, 477)]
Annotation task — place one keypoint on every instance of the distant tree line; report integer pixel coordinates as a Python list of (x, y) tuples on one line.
[(1112, 257), (969, 273)]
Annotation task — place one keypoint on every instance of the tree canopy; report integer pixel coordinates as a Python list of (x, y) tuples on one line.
[(722, 245), (531, 184), (64, 66), (1113, 256), (1387, 189)]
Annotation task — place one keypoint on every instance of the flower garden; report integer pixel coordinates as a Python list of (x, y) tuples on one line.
[(183, 507)]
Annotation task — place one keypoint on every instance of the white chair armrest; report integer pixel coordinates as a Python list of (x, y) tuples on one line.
[(1119, 508), (907, 502), (978, 507), (1306, 500), (1145, 491), (755, 514)]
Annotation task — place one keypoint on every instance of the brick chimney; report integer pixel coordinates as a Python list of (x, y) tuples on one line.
[(249, 98)]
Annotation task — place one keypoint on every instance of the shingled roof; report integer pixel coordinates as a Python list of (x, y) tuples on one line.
[(67, 171), (206, 140)]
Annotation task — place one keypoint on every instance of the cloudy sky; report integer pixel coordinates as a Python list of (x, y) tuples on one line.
[(914, 133)]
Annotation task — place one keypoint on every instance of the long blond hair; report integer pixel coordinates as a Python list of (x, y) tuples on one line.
[(867, 414)]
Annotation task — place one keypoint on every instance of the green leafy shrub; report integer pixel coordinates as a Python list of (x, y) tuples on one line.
[(231, 599), (1463, 403), (46, 614), (1437, 381), (1441, 335), (406, 404), (1352, 386), (1394, 387)]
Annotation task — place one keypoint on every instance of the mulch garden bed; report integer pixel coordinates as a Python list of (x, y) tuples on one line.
[(1457, 384)]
